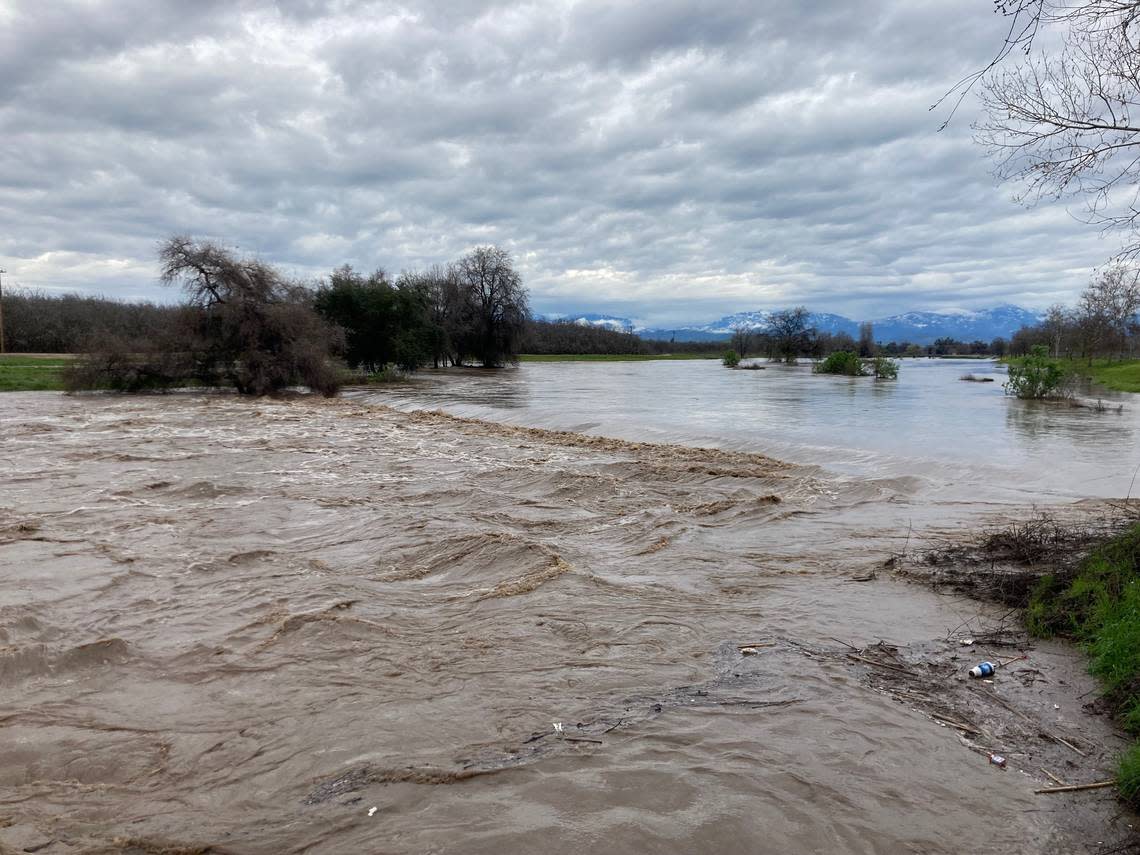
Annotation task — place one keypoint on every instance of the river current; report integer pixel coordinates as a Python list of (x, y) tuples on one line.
[(517, 625)]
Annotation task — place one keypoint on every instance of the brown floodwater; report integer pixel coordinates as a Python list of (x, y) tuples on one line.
[(333, 627)]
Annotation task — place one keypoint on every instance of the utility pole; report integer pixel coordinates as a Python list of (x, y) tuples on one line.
[(2, 272)]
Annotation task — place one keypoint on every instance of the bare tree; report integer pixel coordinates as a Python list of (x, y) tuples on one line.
[(1104, 322), (445, 307), (791, 334), (499, 301), (1110, 304), (1057, 321), (866, 339), (1066, 125), (741, 339), (244, 325)]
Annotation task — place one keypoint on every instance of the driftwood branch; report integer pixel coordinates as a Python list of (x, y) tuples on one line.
[(1073, 788)]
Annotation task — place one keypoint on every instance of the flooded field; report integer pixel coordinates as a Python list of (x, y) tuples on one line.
[(292, 626), (963, 440)]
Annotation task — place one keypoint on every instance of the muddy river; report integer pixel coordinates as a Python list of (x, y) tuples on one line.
[(309, 626)]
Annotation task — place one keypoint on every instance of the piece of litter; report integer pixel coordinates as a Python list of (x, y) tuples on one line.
[(748, 651), (1056, 706), (558, 727), (372, 810), (965, 642), (997, 760)]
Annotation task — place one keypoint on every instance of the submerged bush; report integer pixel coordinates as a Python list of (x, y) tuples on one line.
[(842, 362), (1036, 376), (731, 359), (244, 325), (884, 369), (116, 366)]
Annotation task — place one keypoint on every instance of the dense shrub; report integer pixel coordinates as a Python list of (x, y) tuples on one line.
[(1036, 376), (884, 369), (841, 362), (244, 325), (730, 359), (383, 323)]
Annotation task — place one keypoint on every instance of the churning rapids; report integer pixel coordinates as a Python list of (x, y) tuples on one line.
[(285, 626)]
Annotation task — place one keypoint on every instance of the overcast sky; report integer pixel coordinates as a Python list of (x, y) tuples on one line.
[(667, 161)]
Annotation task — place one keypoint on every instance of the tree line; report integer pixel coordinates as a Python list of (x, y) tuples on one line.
[(1103, 323), (474, 310), (790, 336), (435, 317), (245, 324), (38, 322)]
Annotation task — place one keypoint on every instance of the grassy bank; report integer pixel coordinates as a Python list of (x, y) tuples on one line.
[(611, 357), (32, 373), (1099, 608), (1121, 376)]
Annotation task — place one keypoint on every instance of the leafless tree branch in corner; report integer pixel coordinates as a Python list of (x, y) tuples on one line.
[(1065, 124)]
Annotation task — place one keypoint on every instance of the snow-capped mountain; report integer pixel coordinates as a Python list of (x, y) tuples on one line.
[(916, 327), (760, 320), (925, 327), (594, 319)]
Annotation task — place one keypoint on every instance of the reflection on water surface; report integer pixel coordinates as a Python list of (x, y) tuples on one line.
[(967, 438)]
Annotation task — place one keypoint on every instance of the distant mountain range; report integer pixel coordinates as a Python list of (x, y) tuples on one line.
[(916, 327), (593, 319)]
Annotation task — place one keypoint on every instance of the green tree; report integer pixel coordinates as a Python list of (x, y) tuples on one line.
[(384, 323), (842, 362)]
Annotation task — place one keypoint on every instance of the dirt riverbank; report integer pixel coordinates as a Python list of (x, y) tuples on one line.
[(240, 626)]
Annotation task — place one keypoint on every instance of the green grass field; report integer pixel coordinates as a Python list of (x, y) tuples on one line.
[(1121, 376), (611, 357), (32, 373)]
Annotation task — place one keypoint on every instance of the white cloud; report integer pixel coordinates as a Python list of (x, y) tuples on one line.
[(654, 159)]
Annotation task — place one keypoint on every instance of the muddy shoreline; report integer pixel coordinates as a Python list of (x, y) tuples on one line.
[(240, 626)]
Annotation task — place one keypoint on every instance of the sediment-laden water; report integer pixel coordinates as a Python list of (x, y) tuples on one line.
[(244, 625), (963, 440)]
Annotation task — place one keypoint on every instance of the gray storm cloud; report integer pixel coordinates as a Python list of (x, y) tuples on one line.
[(654, 159)]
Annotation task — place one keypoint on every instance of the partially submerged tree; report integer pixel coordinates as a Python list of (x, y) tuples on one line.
[(1036, 376), (445, 310), (383, 323), (742, 335), (791, 334), (841, 362), (244, 325), (256, 330), (866, 339), (495, 304)]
